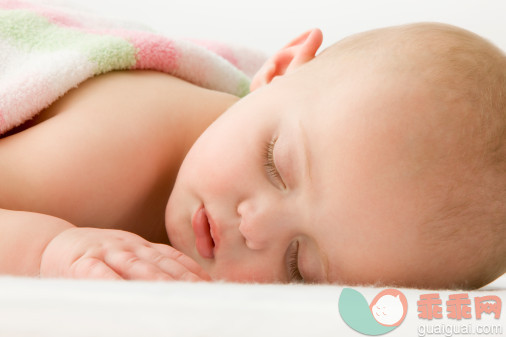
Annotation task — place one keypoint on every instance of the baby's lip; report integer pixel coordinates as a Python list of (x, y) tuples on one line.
[(214, 231), (205, 234)]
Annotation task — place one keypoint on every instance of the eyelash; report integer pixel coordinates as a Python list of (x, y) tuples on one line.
[(293, 268), (269, 165), (272, 171)]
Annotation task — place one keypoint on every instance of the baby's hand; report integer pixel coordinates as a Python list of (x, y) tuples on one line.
[(115, 254)]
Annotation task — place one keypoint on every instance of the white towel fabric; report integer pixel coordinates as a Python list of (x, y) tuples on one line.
[(68, 308)]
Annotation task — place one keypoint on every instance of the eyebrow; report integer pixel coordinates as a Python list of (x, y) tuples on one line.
[(322, 257)]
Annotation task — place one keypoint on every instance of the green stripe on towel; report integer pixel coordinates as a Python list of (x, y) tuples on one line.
[(31, 32)]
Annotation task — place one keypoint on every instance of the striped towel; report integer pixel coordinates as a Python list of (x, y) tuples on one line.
[(47, 50)]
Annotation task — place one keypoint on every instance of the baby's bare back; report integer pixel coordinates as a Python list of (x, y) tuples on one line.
[(107, 153)]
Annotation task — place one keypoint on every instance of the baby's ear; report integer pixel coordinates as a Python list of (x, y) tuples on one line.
[(299, 51)]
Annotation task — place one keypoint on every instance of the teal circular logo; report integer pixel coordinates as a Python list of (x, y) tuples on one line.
[(385, 312)]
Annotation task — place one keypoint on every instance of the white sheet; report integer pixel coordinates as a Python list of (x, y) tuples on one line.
[(68, 308)]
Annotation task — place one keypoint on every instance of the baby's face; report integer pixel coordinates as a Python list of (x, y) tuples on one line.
[(291, 176)]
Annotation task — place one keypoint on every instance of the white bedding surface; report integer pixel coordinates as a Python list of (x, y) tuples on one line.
[(67, 308)]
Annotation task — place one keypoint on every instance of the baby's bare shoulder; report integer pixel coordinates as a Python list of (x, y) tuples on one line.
[(102, 145)]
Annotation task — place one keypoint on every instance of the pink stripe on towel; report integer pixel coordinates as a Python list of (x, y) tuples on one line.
[(153, 51), (52, 15)]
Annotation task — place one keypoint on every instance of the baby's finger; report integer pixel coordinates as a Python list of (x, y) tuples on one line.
[(175, 269), (131, 267), (186, 261), (92, 268)]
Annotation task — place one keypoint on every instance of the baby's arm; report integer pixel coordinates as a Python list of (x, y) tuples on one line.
[(23, 238), (33, 244)]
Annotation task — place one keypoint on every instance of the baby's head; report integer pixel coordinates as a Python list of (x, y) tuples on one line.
[(380, 161)]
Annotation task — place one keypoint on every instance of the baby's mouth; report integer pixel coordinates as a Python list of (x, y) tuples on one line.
[(203, 239)]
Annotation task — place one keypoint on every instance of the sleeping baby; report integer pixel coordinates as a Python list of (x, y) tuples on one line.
[(379, 161)]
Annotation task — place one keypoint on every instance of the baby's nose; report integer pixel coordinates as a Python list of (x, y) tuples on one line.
[(254, 231), (261, 225)]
